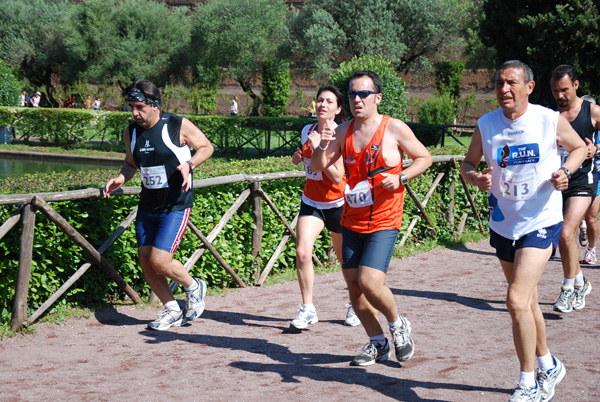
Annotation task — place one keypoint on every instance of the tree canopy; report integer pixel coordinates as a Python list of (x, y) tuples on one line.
[(545, 34)]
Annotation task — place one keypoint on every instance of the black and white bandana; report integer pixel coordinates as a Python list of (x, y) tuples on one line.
[(137, 95)]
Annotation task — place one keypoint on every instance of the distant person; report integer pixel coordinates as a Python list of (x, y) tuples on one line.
[(312, 108), (158, 143), (321, 206), (520, 142), (233, 109), (35, 100), (23, 99), (97, 103), (588, 230), (88, 102), (372, 147), (584, 117)]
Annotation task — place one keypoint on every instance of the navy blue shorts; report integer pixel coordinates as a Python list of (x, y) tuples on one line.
[(331, 216), (542, 238), (372, 250), (163, 231)]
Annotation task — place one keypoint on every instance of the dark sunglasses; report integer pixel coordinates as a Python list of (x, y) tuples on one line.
[(361, 94)]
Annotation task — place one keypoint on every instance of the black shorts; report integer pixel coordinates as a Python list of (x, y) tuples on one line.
[(331, 216), (584, 190)]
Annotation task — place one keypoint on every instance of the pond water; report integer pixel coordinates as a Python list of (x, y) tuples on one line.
[(16, 167)]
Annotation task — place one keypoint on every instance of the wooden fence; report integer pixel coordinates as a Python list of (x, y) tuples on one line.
[(28, 203)]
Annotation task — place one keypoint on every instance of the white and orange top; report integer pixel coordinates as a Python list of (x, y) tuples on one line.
[(370, 207), (319, 191)]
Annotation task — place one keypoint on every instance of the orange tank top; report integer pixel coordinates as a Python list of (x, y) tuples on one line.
[(369, 207), (319, 191)]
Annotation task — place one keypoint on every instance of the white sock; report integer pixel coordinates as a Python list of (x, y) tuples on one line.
[(172, 305), (396, 323), (380, 339), (569, 283), (527, 379), (583, 225), (579, 279), (192, 287), (546, 362), (309, 307)]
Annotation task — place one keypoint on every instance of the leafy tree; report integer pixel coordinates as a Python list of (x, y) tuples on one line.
[(394, 102), (237, 35), (409, 33), (9, 86), (544, 34), (118, 42), (31, 38), (276, 80)]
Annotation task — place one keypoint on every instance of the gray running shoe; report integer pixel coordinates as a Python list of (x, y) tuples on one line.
[(564, 303), (352, 319), (194, 304), (167, 319), (526, 394), (305, 317), (581, 291), (549, 379), (403, 343), (372, 352)]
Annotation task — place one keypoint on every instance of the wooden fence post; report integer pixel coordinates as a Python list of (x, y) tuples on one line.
[(257, 216), (19, 313)]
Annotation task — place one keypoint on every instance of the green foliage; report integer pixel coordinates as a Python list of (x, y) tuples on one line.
[(544, 34), (110, 42), (276, 81), (237, 35), (438, 109), (447, 77), (9, 86), (394, 102), (409, 33)]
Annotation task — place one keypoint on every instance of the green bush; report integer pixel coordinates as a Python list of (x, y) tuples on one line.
[(447, 77), (10, 89), (394, 102), (276, 80), (439, 109)]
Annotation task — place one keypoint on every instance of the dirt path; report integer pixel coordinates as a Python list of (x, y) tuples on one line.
[(240, 349)]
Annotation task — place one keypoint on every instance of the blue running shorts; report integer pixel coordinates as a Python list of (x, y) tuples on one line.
[(372, 250), (163, 231), (542, 238)]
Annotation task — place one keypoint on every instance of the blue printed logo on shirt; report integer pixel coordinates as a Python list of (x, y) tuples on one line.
[(518, 154)]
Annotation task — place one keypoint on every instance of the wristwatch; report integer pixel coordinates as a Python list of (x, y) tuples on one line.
[(567, 171), (403, 178), (192, 166)]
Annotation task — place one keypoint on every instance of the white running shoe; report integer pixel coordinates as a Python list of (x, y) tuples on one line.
[(305, 317), (352, 319)]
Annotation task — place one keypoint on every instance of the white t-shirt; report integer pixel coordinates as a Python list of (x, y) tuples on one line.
[(523, 154)]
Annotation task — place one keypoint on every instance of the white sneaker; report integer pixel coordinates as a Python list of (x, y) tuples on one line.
[(167, 319), (305, 317), (352, 319)]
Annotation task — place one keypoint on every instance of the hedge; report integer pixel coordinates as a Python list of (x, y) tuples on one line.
[(264, 134)]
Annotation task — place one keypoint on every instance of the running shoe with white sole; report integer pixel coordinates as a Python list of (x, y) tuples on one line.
[(403, 342), (549, 379), (581, 291), (372, 352), (589, 257), (305, 317), (167, 319), (564, 303), (352, 319), (526, 394), (194, 304)]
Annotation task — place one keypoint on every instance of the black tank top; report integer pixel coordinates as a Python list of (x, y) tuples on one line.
[(157, 153), (583, 125)]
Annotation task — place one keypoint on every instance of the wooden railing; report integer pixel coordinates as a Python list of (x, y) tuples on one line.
[(29, 203)]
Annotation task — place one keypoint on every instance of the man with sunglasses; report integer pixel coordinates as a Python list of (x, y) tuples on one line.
[(158, 144), (372, 146)]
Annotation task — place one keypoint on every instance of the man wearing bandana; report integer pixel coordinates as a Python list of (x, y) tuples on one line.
[(158, 144)]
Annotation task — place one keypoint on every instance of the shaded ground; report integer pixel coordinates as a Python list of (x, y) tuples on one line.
[(240, 349)]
